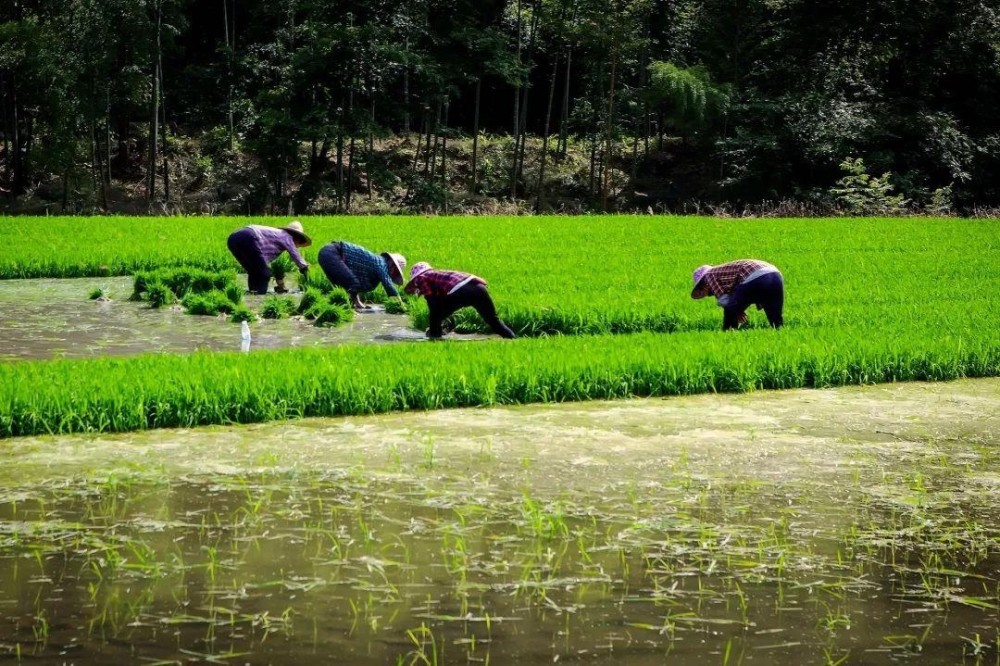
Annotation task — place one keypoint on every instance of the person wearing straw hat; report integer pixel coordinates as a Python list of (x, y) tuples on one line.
[(447, 292), (739, 284), (256, 246), (359, 270)]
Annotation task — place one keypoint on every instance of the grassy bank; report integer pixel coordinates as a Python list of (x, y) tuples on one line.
[(164, 391)]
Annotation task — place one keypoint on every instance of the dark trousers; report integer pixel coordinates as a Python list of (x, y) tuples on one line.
[(337, 272), (766, 292), (243, 244), (470, 296)]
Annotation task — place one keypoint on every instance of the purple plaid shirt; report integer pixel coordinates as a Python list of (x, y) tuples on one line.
[(435, 283), (722, 279), (272, 241)]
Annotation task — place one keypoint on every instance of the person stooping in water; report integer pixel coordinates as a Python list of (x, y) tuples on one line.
[(739, 284), (255, 247), (447, 292), (359, 270)]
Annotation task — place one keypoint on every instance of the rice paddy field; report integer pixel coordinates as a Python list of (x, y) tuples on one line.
[(364, 514)]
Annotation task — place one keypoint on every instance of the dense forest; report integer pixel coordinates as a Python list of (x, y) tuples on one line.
[(854, 106)]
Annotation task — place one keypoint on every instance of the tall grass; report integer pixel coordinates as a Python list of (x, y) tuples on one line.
[(165, 391)]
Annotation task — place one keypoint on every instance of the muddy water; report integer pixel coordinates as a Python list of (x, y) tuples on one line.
[(844, 526), (54, 318)]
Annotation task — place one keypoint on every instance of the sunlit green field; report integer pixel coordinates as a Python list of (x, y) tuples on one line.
[(867, 301)]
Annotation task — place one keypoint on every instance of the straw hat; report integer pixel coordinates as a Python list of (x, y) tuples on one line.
[(699, 273), (418, 268), (295, 229), (398, 261)]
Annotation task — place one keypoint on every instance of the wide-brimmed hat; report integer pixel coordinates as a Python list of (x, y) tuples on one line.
[(418, 268), (295, 229), (398, 261), (699, 274)]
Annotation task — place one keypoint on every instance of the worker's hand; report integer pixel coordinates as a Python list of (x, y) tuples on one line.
[(743, 321)]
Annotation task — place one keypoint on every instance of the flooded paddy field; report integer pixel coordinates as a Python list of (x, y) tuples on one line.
[(854, 525), (55, 319)]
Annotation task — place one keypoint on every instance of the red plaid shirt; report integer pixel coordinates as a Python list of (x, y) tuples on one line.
[(722, 279), (435, 283)]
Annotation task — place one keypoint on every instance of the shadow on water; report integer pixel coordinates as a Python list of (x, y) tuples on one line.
[(54, 319), (842, 526)]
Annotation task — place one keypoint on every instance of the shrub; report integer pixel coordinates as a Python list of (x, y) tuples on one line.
[(859, 193)]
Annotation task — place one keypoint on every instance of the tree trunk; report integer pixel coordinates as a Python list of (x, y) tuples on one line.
[(406, 94), (545, 139), (517, 113), (444, 157), (163, 149), (229, 71), (475, 137), (432, 151), (608, 131), (154, 114), (340, 168), (532, 33), (563, 145)]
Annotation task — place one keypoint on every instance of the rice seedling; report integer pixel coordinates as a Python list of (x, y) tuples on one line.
[(97, 293), (242, 313), (159, 295), (212, 303), (275, 307)]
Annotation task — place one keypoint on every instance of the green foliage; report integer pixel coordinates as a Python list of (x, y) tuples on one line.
[(859, 193), (96, 293), (275, 307), (688, 95)]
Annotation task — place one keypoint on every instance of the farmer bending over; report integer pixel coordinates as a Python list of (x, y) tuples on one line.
[(740, 284), (255, 247), (448, 292), (358, 270)]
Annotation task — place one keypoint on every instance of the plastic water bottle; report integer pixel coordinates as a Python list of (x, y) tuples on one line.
[(244, 336)]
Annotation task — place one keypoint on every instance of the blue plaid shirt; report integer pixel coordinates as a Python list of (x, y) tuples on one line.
[(370, 268)]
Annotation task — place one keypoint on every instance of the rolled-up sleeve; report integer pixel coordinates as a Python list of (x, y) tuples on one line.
[(289, 244)]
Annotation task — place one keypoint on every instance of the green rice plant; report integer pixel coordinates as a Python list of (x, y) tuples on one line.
[(326, 309), (325, 313), (186, 280), (242, 313), (159, 295), (338, 296), (275, 307), (210, 304), (282, 266), (62, 396), (96, 293), (234, 293), (400, 306), (311, 297)]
